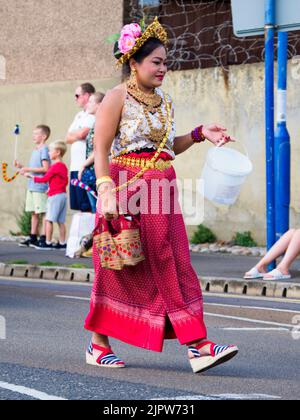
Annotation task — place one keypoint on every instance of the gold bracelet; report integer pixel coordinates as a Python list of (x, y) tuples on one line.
[(102, 180)]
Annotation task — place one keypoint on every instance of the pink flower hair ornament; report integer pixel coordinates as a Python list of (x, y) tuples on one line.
[(127, 41), (134, 36)]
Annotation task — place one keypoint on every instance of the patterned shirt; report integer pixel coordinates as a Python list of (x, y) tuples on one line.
[(90, 145)]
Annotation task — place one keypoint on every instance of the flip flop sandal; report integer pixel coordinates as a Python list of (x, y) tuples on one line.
[(218, 356), (102, 357), (254, 274), (277, 275)]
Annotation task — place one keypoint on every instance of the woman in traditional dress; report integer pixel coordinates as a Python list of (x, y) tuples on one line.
[(160, 298)]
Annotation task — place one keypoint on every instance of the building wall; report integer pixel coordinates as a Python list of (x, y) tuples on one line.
[(30, 105), (50, 47), (51, 40), (235, 100)]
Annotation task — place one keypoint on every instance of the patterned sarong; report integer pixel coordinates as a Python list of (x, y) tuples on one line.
[(161, 297)]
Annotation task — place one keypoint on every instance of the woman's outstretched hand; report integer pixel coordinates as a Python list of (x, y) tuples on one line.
[(217, 135)]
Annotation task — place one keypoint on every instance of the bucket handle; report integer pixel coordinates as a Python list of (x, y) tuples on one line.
[(236, 142)]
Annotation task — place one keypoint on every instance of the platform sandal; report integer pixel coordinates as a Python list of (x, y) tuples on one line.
[(218, 355), (103, 357)]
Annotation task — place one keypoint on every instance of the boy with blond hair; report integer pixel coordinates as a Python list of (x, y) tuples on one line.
[(36, 197), (57, 177)]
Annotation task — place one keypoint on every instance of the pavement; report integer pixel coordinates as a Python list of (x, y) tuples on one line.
[(43, 355), (206, 265), (218, 273)]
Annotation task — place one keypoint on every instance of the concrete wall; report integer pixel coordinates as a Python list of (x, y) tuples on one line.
[(50, 47), (51, 40), (30, 105), (235, 100)]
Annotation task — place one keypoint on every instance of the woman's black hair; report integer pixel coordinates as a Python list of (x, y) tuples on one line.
[(150, 45)]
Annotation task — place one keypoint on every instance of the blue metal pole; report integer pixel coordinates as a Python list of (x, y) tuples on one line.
[(270, 120), (282, 144)]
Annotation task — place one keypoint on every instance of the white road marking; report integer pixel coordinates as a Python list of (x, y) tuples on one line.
[(249, 396), (216, 304), (206, 304), (73, 298), (89, 286), (259, 308), (257, 329), (254, 321), (224, 397), (50, 282), (30, 392), (244, 297)]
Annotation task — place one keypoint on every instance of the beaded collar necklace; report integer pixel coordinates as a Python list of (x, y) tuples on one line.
[(151, 101)]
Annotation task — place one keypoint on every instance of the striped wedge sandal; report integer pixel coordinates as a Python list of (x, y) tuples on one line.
[(103, 357), (218, 355)]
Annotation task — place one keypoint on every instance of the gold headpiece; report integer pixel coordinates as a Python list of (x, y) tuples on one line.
[(155, 30)]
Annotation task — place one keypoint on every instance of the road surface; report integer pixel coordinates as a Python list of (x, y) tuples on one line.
[(42, 356)]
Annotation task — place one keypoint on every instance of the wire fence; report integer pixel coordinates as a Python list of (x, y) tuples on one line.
[(201, 33)]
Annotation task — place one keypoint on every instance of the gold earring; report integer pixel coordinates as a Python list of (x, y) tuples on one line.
[(132, 82)]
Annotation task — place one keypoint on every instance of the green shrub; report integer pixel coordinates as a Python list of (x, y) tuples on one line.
[(203, 235), (244, 239), (24, 224)]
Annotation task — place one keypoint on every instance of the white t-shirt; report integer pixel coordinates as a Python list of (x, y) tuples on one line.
[(78, 149)]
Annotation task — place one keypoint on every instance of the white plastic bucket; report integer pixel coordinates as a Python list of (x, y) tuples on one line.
[(224, 173)]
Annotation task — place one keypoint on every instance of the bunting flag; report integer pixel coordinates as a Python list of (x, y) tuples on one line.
[(17, 132), (4, 173)]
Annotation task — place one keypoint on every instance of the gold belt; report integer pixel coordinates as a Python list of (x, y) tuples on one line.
[(161, 164)]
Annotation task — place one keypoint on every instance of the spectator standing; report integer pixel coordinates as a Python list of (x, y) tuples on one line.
[(87, 172), (76, 137), (57, 177), (36, 197)]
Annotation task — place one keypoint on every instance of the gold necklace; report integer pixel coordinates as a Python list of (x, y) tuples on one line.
[(156, 134), (152, 104), (151, 101)]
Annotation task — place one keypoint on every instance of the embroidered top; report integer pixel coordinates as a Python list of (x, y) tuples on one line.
[(134, 130)]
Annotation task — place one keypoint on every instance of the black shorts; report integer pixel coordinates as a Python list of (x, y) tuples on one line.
[(79, 200)]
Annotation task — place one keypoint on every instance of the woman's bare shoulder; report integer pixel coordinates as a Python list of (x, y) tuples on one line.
[(116, 95)]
